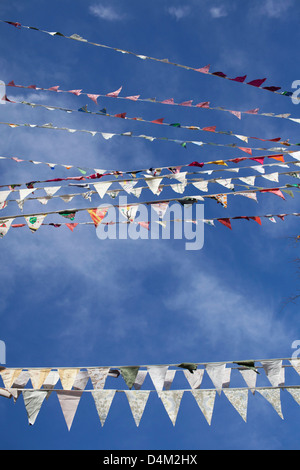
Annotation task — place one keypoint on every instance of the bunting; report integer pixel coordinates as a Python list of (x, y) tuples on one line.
[(203, 69)]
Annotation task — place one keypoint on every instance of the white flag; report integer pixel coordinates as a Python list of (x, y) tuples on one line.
[(103, 400), (5, 226), (51, 190), (33, 401), (158, 374), (98, 376), (69, 401), (171, 400), (153, 184), (206, 401), (216, 373), (239, 399), (67, 377), (137, 400), (102, 187), (194, 379), (273, 397), (274, 371)]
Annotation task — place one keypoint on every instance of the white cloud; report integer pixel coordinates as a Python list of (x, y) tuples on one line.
[(179, 12), (276, 8), (218, 12), (107, 13)]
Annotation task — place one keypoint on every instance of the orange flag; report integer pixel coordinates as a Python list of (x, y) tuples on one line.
[(97, 215)]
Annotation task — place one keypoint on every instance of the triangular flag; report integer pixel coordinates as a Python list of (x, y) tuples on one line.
[(216, 373), (275, 191), (239, 399), (33, 401), (81, 380), (67, 377), (250, 377), (295, 362), (98, 377), (102, 187), (103, 400), (153, 184), (137, 400), (160, 208), (71, 226), (206, 401), (248, 180), (38, 376), (171, 400), (3, 195), (295, 392), (93, 97), (226, 222), (201, 185), (129, 211), (50, 381), (271, 176), (158, 374), (25, 192), (9, 376), (51, 190), (129, 375), (5, 226), (140, 378), (273, 397), (114, 94), (19, 382), (194, 379), (97, 215), (34, 222), (69, 401), (257, 82), (274, 371), (203, 69), (169, 379)]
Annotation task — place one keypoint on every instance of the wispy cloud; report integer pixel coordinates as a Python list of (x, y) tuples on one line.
[(276, 8), (179, 12), (107, 13), (218, 12)]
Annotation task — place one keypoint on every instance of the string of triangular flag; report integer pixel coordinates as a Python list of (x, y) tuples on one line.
[(74, 382), (170, 101), (257, 83), (159, 121), (157, 171), (153, 184), (109, 135)]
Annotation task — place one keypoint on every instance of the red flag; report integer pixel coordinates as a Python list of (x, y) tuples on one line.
[(71, 226), (272, 88), (257, 219), (196, 164), (239, 79), (121, 115), (225, 222), (219, 74), (258, 159), (257, 82), (158, 121), (209, 129)]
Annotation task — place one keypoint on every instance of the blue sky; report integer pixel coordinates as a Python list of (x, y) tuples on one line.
[(70, 299)]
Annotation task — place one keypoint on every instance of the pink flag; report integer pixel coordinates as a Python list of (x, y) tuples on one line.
[(132, 98), (144, 224), (114, 94), (168, 101), (257, 82), (93, 97), (245, 149), (258, 159), (186, 103), (238, 114), (252, 111), (203, 69), (204, 104), (274, 191), (54, 88), (75, 92)]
